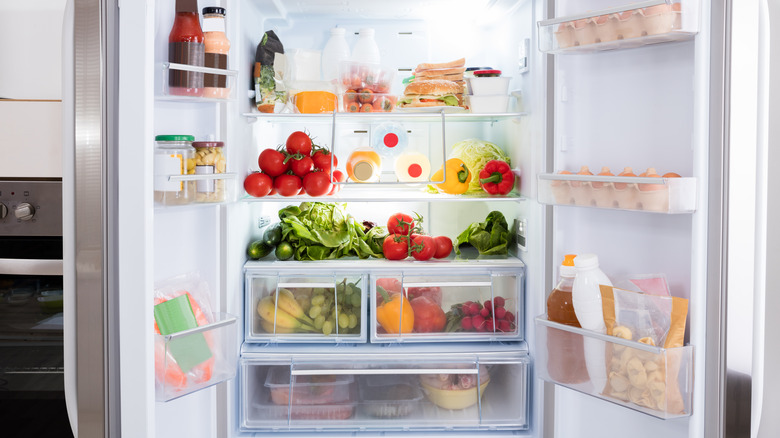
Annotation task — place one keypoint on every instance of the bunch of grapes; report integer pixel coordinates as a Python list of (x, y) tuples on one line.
[(475, 317), (333, 309)]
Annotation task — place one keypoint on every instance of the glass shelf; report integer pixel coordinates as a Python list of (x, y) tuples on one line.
[(374, 117), (627, 26), (166, 70)]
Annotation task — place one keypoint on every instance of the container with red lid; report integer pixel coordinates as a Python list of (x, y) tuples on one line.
[(209, 160)]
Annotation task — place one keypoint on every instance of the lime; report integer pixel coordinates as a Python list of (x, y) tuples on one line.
[(258, 249), (273, 234), (284, 251)]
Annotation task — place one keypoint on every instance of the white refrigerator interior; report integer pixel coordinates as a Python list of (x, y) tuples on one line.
[(571, 105)]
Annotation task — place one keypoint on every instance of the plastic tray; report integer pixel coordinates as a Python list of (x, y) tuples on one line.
[(655, 381), (275, 326), (307, 389), (661, 195), (220, 340), (626, 26), (389, 396), (451, 293)]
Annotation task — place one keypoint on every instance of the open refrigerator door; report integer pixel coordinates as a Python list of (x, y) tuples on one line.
[(320, 338)]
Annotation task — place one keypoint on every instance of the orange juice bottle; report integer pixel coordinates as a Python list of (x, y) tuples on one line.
[(565, 350), (364, 165)]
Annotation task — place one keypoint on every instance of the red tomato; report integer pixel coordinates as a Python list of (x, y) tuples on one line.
[(340, 177), (258, 184), (433, 292), (287, 185), (423, 247), (301, 166), (443, 246), (317, 183), (400, 223), (321, 159), (353, 107), (366, 108), (272, 162), (299, 142), (350, 96), (395, 247), (383, 104)]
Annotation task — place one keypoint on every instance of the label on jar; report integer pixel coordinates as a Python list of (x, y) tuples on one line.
[(186, 53), (206, 185), (216, 60), (165, 166)]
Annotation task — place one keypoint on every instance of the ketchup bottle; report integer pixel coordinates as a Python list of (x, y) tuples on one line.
[(186, 46)]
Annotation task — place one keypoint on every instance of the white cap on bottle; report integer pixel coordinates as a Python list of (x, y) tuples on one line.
[(368, 31), (338, 31), (584, 261)]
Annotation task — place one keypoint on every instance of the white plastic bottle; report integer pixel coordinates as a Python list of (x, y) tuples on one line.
[(336, 50), (586, 298), (389, 138), (365, 49)]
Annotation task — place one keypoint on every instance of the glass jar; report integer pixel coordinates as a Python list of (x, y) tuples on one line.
[(173, 155), (209, 160)]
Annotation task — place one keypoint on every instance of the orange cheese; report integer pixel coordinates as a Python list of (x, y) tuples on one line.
[(315, 102)]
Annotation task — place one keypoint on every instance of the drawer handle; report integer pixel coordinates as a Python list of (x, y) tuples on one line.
[(376, 371)]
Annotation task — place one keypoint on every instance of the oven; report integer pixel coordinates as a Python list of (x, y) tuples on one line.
[(32, 396)]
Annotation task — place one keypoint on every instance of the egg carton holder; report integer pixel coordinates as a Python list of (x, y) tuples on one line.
[(626, 26), (659, 195)]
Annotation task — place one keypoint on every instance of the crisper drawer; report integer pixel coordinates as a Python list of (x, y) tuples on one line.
[(447, 307), (385, 393), (656, 381), (322, 307)]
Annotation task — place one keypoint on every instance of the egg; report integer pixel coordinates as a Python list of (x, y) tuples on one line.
[(651, 173), (604, 172), (627, 171)]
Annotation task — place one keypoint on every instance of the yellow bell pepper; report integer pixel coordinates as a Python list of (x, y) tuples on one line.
[(395, 314), (458, 177)]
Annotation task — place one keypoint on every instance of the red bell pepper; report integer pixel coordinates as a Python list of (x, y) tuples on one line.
[(496, 178), (428, 316)]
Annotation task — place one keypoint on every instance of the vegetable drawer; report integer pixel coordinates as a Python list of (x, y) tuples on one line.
[(426, 306), (653, 380), (384, 392), (287, 307)]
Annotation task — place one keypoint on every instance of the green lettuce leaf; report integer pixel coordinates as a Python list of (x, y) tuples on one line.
[(490, 237)]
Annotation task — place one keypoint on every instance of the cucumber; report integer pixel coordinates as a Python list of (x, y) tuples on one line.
[(273, 234), (258, 249)]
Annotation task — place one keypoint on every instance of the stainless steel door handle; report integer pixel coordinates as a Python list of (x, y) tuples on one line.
[(30, 267)]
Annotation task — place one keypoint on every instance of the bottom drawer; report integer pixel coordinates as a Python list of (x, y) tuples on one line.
[(384, 394)]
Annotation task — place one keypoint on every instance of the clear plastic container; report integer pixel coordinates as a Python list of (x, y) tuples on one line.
[(173, 156), (287, 389), (209, 160), (389, 396)]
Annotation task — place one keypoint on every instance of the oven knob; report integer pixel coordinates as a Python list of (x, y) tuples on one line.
[(3, 211), (24, 211)]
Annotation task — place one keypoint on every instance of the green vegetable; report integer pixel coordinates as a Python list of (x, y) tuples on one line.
[(489, 238), (273, 234), (319, 231), (258, 249), (476, 154), (284, 251)]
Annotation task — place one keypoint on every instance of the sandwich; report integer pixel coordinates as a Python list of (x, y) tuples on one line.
[(435, 92), (449, 71)]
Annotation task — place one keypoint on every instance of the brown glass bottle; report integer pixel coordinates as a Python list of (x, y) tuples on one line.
[(566, 355)]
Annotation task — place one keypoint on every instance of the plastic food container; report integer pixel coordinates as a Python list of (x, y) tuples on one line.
[(209, 159), (332, 412), (389, 396), (455, 391), (485, 104), (366, 87), (173, 155), (488, 85), (307, 390), (367, 101)]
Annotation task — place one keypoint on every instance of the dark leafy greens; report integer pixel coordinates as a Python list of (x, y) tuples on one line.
[(490, 237), (320, 231)]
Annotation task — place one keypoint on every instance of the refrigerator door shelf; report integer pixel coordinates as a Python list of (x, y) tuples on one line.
[(190, 360), (652, 380), (385, 393), (287, 307), (659, 195), (446, 308), (228, 94), (628, 26)]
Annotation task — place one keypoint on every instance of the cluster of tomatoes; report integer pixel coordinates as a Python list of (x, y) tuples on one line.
[(404, 240), (300, 167), (367, 89), (365, 100)]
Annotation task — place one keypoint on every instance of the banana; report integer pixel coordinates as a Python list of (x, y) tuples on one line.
[(268, 326), (266, 309), (286, 301)]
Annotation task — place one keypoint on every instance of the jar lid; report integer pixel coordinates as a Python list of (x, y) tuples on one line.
[(487, 72), (187, 138), (208, 144), (213, 10)]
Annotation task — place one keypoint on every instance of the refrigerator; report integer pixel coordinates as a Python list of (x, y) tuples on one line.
[(583, 92)]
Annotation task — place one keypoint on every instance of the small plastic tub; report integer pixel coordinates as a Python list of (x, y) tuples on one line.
[(389, 396), (367, 101), (487, 104), (489, 85), (307, 390)]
